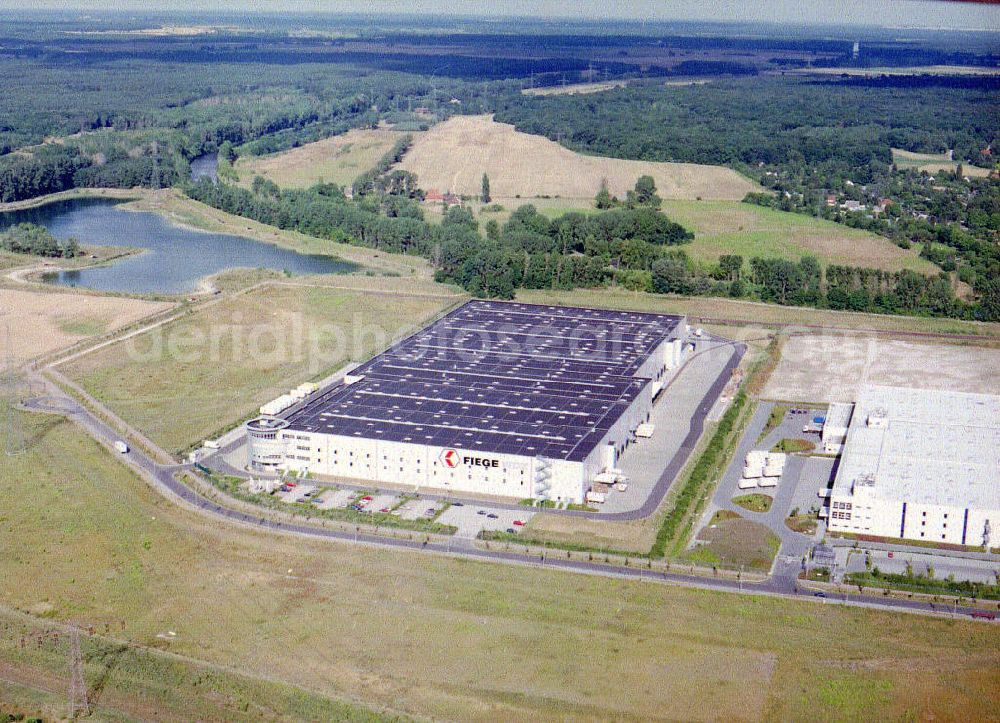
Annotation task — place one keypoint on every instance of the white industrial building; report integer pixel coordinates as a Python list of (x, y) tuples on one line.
[(495, 398), (921, 465)]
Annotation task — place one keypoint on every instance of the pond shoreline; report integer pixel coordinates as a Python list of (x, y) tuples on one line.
[(178, 256)]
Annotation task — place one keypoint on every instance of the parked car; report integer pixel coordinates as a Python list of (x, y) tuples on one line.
[(519, 523), (457, 504), (481, 512), (493, 515), (819, 594), (511, 530), (384, 510)]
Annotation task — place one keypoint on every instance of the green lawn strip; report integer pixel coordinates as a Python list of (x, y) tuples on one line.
[(520, 538), (793, 446), (777, 417), (704, 472), (923, 584)]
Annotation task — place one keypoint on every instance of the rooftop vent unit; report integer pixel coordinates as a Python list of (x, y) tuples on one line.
[(864, 482), (878, 418)]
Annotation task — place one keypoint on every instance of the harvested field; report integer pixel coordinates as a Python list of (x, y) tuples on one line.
[(727, 227), (434, 637), (827, 368), (934, 163), (576, 88), (452, 156), (339, 160), (42, 322), (189, 379)]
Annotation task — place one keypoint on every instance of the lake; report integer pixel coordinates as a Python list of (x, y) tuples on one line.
[(175, 258)]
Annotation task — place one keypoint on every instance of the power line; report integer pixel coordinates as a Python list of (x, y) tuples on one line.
[(78, 704)]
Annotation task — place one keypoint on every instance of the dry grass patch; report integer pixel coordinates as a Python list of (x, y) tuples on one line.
[(189, 379), (454, 155), (41, 322), (339, 159), (443, 638), (576, 88)]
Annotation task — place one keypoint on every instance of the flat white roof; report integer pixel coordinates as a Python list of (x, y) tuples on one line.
[(934, 447), (838, 415)]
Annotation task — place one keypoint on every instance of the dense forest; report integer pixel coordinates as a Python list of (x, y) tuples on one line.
[(145, 106), (820, 147)]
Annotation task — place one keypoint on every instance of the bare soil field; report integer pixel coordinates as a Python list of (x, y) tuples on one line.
[(452, 156), (832, 368), (42, 322), (433, 637), (339, 160)]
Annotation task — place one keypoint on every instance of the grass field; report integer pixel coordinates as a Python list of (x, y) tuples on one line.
[(736, 542), (339, 160), (128, 682), (41, 322), (934, 163), (444, 638), (752, 313), (723, 227), (189, 379), (755, 502), (453, 156)]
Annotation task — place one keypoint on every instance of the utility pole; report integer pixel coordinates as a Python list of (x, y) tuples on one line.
[(78, 705), (14, 441)]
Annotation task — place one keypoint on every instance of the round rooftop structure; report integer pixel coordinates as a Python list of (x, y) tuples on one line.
[(265, 448)]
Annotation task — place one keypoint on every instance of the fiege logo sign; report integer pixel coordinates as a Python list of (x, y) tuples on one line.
[(451, 458)]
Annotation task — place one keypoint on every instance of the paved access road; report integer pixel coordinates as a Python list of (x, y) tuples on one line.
[(162, 477)]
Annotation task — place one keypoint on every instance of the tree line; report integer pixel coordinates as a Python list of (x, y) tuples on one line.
[(638, 248), (30, 238)]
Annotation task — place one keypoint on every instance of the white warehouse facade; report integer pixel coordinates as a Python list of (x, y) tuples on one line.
[(494, 398), (920, 465)]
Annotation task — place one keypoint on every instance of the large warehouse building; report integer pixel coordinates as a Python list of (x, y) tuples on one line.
[(495, 398), (920, 465)]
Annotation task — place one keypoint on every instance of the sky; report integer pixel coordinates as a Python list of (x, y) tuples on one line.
[(887, 13)]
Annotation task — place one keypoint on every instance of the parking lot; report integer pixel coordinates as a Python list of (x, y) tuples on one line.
[(470, 519)]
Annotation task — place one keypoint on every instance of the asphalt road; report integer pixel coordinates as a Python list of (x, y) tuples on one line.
[(162, 478)]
